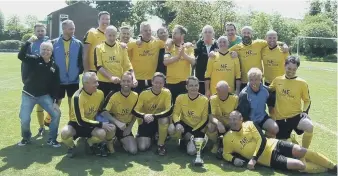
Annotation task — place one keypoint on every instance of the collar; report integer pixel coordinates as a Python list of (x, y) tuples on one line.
[(225, 99), (290, 78), (65, 39), (126, 96), (87, 92), (238, 130), (192, 99), (273, 47), (260, 88), (99, 30), (110, 45), (154, 92), (222, 53)]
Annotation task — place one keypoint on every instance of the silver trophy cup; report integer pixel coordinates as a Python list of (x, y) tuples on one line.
[(198, 142)]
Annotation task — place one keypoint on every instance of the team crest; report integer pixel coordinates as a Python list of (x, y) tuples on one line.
[(52, 69)]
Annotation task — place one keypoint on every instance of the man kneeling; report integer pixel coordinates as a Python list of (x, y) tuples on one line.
[(85, 106), (190, 115), (247, 140)]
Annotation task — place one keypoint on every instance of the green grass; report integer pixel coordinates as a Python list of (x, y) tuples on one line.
[(40, 159)]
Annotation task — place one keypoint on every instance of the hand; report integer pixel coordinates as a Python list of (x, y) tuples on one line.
[(251, 164), (169, 43), (108, 126), (126, 131), (304, 115), (123, 45), (32, 39), (148, 118), (188, 44), (181, 51), (138, 41), (179, 128), (135, 83), (115, 80), (208, 93), (233, 54), (122, 126), (220, 127), (238, 162), (285, 48), (211, 54)]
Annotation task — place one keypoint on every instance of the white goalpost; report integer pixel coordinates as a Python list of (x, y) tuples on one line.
[(305, 37)]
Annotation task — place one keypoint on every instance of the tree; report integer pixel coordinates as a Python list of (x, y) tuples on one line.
[(315, 7), (14, 24), (260, 24), (138, 15), (2, 23), (163, 11), (119, 11), (31, 20), (71, 2), (286, 29)]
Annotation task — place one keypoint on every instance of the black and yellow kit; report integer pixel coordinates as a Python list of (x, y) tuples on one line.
[(191, 112), (221, 109), (93, 37), (222, 67), (273, 62)]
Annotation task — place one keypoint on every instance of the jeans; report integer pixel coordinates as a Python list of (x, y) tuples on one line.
[(27, 105)]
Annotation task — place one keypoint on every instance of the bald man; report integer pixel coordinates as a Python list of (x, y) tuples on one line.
[(111, 61), (221, 105)]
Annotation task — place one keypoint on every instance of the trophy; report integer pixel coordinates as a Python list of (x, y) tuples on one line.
[(199, 143)]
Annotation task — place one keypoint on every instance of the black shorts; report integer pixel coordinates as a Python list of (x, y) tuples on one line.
[(287, 125), (243, 85), (119, 133), (94, 71), (280, 154), (81, 131), (108, 87), (142, 85), (70, 89), (260, 124), (147, 129), (176, 90), (196, 133), (202, 88)]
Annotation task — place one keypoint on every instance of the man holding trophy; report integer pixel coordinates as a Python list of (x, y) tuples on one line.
[(190, 117)]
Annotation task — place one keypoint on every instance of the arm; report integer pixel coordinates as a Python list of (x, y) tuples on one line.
[(204, 120), (160, 64), (138, 107), (272, 86), (168, 59), (260, 139), (177, 110), (24, 57), (238, 76), (80, 59), (168, 108), (227, 149), (189, 56), (99, 65), (207, 75), (244, 106), (306, 98), (86, 50)]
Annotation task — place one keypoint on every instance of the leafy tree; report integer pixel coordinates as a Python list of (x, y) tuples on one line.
[(315, 7), (14, 24), (71, 2), (31, 20), (119, 11), (2, 23), (138, 15), (163, 11), (260, 24)]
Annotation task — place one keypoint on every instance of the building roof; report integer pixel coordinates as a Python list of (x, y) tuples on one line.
[(69, 6)]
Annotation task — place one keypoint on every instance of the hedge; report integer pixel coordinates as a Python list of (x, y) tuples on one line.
[(10, 44)]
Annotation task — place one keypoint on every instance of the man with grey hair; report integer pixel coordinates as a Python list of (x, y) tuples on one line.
[(41, 87), (68, 56), (252, 101), (85, 108)]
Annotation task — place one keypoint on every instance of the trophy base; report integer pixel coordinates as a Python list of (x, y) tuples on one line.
[(198, 163)]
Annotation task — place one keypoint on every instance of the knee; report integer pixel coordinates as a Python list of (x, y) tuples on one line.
[(65, 134), (298, 151), (163, 121), (142, 147), (309, 128), (171, 129), (275, 129), (191, 151), (132, 150), (101, 134), (300, 165)]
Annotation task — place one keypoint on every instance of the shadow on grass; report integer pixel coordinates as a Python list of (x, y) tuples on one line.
[(19, 158)]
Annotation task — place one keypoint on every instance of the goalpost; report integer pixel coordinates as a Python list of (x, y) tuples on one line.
[(305, 37)]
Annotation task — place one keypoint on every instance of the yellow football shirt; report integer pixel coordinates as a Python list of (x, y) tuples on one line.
[(93, 37), (222, 67), (113, 59), (290, 95), (193, 112), (144, 58), (121, 106), (249, 56), (84, 108), (249, 143), (66, 44), (273, 61), (178, 71), (221, 109)]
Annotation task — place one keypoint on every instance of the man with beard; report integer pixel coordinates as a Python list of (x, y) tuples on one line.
[(249, 53), (111, 61), (231, 33), (292, 103), (40, 36), (162, 33), (92, 39)]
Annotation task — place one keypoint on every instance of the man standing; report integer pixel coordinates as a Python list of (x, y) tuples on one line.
[(40, 34), (153, 109), (125, 34), (292, 103), (68, 56), (41, 87), (231, 33), (247, 140), (92, 39), (162, 33), (144, 57), (178, 60), (111, 61)]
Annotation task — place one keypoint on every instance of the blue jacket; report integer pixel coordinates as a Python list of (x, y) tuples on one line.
[(252, 104), (75, 67)]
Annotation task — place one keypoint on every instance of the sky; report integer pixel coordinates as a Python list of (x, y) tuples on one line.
[(41, 8)]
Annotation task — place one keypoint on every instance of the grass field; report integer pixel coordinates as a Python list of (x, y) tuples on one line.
[(40, 159)]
